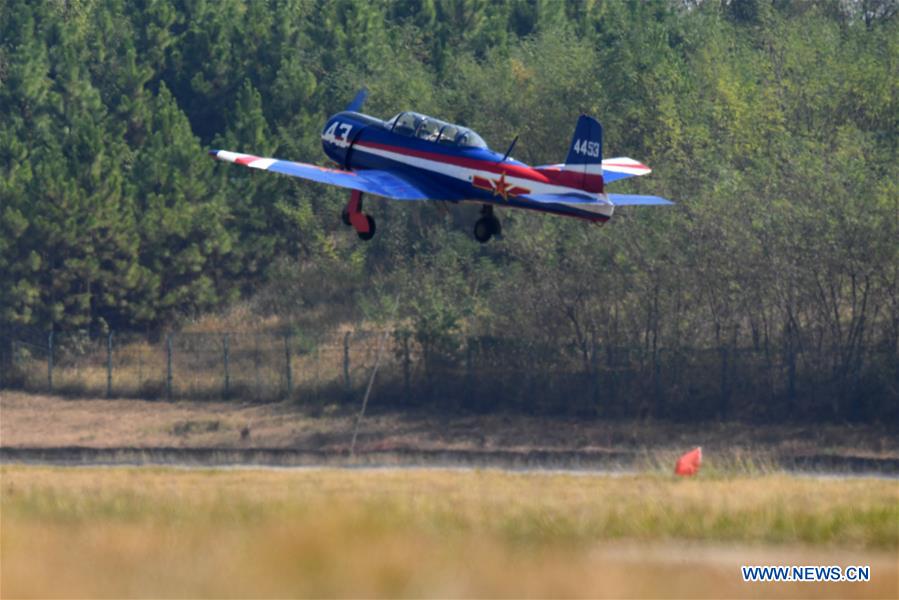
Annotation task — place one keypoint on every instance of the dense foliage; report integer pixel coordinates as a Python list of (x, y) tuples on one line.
[(773, 124)]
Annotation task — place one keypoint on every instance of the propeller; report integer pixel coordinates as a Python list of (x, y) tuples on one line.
[(509, 151)]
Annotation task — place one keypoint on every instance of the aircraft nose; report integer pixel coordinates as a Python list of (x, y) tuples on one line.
[(330, 144), (329, 125)]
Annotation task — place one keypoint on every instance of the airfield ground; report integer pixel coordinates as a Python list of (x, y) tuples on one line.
[(248, 532), (153, 532), (43, 421)]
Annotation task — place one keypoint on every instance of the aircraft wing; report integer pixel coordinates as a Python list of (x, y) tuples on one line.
[(381, 183)]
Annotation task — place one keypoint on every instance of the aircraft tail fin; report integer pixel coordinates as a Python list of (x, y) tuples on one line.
[(585, 154)]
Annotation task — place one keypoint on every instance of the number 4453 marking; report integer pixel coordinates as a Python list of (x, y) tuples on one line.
[(587, 148)]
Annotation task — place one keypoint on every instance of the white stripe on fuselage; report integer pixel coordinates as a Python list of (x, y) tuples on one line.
[(468, 174)]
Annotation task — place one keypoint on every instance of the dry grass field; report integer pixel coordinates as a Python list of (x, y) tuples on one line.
[(148, 532)]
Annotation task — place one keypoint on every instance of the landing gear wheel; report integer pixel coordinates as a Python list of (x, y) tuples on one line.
[(484, 229), (345, 217), (487, 226), (367, 235), (496, 227)]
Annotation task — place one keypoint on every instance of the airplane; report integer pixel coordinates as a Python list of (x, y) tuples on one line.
[(416, 157)]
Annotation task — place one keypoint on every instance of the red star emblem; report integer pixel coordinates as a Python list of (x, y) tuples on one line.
[(501, 188)]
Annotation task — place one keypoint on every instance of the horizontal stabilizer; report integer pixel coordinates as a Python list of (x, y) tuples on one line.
[(613, 169), (634, 200), (622, 167), (563, 199)]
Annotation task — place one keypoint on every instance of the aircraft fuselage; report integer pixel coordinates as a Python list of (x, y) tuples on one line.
[(454, 172)]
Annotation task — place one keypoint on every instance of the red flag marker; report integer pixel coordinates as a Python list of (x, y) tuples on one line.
[(688, 464)]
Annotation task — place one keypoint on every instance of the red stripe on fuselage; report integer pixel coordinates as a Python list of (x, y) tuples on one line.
[(509, 169), (245, 160), (582, 181)]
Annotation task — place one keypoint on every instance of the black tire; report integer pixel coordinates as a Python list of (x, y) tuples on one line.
[(371, 229), (483, 229), (345, 217), (496, 228)]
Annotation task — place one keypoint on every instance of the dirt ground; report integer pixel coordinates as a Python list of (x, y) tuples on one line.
[(43, 421)]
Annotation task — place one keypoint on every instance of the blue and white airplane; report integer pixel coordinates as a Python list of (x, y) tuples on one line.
[(415, 157)]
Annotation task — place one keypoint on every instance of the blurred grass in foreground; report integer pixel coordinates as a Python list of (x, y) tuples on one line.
[(263, 533)]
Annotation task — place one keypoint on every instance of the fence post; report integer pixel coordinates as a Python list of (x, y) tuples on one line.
[(347, 383), (50, 361), (407, 368), (256, 365), (657, 383), (227, 374), (724, 402), (287, 371), (6, 360), (109, 365), (168, 366), (13, 357), (467, 398)]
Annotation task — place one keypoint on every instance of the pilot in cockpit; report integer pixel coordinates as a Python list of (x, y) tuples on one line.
[(429, 130)]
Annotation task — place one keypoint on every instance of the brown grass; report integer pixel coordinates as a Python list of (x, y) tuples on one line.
[(246, 533), (50, 421)]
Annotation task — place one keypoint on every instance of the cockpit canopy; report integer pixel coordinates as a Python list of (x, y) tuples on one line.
[(427, 128)]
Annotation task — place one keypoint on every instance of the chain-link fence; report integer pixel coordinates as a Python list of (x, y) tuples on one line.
[(250, 366), (474, 373)]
